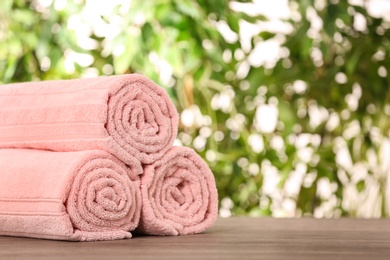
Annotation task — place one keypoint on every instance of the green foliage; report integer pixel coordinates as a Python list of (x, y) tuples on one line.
[(330, 88)]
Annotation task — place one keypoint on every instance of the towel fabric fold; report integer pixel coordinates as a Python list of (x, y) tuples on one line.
[(82, 196), (179, 194), (124, 115)]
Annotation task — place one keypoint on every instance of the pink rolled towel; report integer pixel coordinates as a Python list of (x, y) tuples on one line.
[(124, 115), (79, 196), (179, 195)]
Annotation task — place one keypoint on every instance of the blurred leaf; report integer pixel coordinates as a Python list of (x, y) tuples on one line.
[(189, 8), (360, 185), (353, 61), (5, 5), (233, 23), (266, 35), (122, 62)]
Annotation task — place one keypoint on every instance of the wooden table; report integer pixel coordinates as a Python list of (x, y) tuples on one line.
[(234, 238)]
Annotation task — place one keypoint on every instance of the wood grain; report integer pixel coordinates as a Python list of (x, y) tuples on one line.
[(233, 238)]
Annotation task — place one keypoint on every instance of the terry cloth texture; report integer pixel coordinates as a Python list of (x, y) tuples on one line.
[(82, 196), (127, 116), (179, 195)]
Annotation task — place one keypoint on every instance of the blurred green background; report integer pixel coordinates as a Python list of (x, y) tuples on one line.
[(287, 101)]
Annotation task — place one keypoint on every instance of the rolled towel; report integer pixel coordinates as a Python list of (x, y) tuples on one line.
[(124, 115), (179, 195), (80, 196)]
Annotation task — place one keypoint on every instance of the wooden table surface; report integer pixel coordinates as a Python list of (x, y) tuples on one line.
[(233, 238)]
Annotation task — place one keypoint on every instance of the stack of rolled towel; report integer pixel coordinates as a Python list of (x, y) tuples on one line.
[(92, 159)]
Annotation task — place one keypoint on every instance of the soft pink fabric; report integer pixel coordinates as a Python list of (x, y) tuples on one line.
[(179, 195), (124, 115), (81, 196)]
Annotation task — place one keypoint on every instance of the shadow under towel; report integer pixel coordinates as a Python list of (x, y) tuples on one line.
[(78, 196), (124, 115)]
